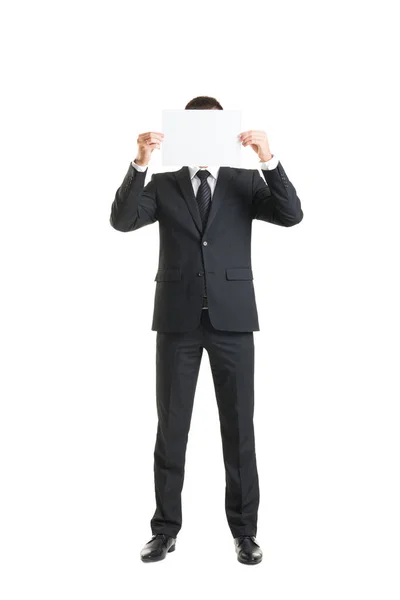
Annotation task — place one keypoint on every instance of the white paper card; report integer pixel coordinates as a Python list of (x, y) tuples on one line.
[(201, 137)]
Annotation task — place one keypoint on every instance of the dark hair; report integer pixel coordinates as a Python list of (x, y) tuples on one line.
[(203, 102)]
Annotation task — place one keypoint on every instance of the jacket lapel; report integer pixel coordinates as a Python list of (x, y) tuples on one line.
[(185, 185), (225, 174)]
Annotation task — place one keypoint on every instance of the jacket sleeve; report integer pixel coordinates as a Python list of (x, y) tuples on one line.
[(275, 200), (135, 205)]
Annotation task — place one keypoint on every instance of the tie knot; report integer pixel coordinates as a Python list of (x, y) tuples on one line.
[(202, 174)]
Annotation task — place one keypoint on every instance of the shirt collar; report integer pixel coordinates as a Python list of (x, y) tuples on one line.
[(212, 169)]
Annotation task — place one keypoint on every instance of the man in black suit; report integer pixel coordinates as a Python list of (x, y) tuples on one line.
[(205, 298)]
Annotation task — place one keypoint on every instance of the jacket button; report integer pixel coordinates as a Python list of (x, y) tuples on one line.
[(204, 243), (199, 273)]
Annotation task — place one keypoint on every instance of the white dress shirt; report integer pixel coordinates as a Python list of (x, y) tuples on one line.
[(212, 178)]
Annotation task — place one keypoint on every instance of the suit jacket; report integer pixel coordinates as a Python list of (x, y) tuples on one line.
[(216, 260)]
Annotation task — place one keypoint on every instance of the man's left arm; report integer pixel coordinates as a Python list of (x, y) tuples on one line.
[(274, 198)]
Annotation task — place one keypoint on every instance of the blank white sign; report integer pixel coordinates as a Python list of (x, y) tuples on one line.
[(201, 137)]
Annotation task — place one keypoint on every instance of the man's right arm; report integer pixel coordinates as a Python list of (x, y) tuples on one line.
[(135, 205)]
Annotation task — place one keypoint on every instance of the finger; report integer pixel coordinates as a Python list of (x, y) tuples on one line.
[(256, 137), (244, 133), (150, 141), (153, 139), (151, 134), (252, 140), (253, 132)]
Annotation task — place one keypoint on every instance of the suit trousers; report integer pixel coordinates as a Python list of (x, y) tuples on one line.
[(178, 357)]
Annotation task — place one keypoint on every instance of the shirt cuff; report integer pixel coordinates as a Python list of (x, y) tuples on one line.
[(139, 167), (272, 163)]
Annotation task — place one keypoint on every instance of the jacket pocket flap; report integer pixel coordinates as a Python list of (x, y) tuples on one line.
[(239, 273), (172, 274)]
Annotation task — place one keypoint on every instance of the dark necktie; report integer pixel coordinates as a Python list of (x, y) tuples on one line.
[(203, 196)]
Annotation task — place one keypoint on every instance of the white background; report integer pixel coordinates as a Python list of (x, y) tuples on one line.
[(80, 81)]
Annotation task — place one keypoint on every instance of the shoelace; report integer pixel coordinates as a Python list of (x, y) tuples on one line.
[(241, 538), (158, 535)]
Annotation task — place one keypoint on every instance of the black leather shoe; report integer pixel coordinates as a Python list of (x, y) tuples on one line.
[(158, 547), (247, 550)]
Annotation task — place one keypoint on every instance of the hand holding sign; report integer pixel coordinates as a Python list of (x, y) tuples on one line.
[(147, 142), (258, 141)]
